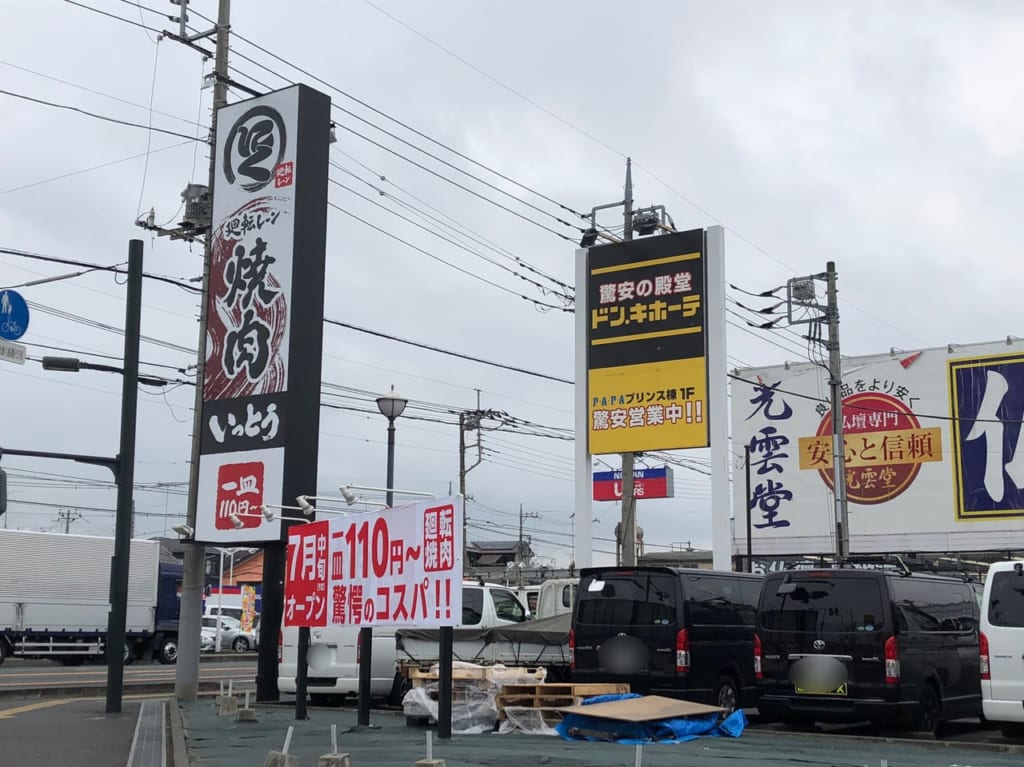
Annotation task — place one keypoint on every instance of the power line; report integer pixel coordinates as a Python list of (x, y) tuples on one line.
[(98, 93), (454, 224), (428, 347), (90, 168), (408, 127), (457, 230), (459, 245), (539, 304), (86, 112)]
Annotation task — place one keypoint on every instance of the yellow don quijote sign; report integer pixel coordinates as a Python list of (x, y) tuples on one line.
[(646, 347)]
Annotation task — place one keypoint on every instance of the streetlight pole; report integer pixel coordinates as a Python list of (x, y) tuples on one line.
[(123, 467), (220, 600), (391, 406)]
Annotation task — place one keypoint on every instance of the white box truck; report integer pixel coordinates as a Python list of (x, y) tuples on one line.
[(55, 598)]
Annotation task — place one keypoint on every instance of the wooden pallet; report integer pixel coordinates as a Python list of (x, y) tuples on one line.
[(555, 695), (550, 716), (420, 677)]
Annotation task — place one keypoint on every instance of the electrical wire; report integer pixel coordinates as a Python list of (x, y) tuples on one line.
[(95, 115), (91, 168), (448, 352), (450, 241)]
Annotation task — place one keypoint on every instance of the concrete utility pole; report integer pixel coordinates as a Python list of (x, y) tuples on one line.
[(67, 516), (186, 679), (628, 524), (835, 383), (801, 293), (520, 559)]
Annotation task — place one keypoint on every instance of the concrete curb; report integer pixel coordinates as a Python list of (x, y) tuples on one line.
[(179, 749), (1006, 748), (86, 691)]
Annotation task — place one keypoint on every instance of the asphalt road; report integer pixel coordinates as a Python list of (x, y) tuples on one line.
[(25, 677)]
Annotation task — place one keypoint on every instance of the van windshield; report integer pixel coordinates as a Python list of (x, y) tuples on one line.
[(1006, 600), (618, 599), (823, 604)]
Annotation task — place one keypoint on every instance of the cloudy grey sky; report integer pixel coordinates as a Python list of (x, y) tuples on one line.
[(882, 136)]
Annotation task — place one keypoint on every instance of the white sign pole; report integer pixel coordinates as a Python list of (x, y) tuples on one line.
[(583, 541), (718, 388)]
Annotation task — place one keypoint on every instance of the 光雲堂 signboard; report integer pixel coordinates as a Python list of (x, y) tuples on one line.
[(934, 451)]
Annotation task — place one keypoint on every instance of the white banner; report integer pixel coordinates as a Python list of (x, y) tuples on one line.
[(931, 441), (396, 567)]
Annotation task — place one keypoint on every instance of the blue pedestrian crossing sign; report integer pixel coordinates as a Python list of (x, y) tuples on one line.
[(13, 315)]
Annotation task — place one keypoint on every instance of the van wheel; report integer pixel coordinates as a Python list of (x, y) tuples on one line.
[(1014, 730), (726, 694), (929, 714), (323, 700)]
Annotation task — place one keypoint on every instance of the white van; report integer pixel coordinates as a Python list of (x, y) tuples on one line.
[(1002, 646), (333, 667)]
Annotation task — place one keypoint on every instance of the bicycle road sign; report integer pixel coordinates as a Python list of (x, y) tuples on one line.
[(13, 315)]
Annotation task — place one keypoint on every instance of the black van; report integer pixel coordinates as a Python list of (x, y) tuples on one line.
[(845, 644), (667, 631)]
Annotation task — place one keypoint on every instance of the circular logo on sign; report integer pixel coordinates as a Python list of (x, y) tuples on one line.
[(254, 147), (885, 447)]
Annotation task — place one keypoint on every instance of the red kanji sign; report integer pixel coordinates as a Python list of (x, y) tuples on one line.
[(305, 589), (239, 492), (396, 567)]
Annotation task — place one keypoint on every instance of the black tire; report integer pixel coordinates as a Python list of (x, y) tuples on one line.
[(929, 711), (129, 653), (241, 644), (726, 694), (324, 700), (399, 688), (800, 725), (1013, 730), (167, 653), (4, 650)]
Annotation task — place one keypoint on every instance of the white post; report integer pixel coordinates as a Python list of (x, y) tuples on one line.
[(718, 407), (583, 537), (220, 599)]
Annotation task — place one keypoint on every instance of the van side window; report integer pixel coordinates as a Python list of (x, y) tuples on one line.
[(1006, 600), (933, 606), (472, 606), (507, 607), (715, 601)]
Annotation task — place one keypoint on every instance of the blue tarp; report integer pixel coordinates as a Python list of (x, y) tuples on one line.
[(594, 728)]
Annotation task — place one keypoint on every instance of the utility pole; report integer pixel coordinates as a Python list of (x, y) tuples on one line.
[(469, 420), (519, 548), (835, 383), (67, 517), (628, 525), (801, 293), (186, 680)]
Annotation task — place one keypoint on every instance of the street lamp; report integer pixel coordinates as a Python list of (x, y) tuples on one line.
[(391, 406)]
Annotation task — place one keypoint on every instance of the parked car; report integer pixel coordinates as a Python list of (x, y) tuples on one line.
[(885, 645), (1002, 647), (231, 634), (668, 631)]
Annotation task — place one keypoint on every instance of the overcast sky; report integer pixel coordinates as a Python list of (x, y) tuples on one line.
[(883, 136)]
